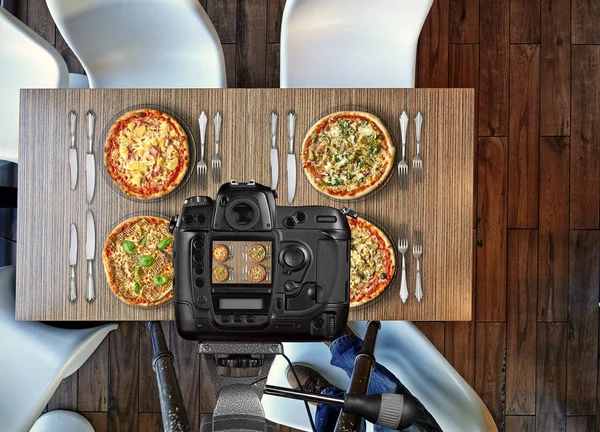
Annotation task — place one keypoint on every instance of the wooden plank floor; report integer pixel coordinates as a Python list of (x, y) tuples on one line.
[(531, 351)]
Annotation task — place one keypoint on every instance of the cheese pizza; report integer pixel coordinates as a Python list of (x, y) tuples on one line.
[(348, 154), (137, 257), (372, 261), (146, 153)]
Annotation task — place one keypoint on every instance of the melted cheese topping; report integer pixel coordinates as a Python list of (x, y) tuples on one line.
[(257, 273), (257, 253), (148, 152), (348, 153), (220, 273), (220, 253), (367, 260)]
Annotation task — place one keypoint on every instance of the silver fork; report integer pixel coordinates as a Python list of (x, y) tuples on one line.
[(402, 165), (201, 167), (403, 248), (216, 160), (417, 252), (417, 161)]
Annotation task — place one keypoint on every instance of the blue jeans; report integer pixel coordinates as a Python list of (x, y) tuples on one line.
[(343, 353)]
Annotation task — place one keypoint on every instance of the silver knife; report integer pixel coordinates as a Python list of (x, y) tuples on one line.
[(90, 253), (291, 157), (90, 166), (73, 149), (274, 156), (72, 264)]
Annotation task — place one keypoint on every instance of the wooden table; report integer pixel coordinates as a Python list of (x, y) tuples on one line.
[(442, 206)]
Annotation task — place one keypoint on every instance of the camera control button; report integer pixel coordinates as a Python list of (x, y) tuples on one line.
[(188, 218), (293, 257), (224, 319), (290, 285), (237, 319), (318, 323), (250, 319)]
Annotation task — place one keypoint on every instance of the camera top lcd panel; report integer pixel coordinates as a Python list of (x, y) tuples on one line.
[(248, 270)]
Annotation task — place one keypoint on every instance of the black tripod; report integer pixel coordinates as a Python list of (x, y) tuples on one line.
[(239, 373)]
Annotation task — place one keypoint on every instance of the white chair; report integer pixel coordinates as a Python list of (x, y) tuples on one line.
[(351, 43), (142, 43), (409, 355), (34, 358)]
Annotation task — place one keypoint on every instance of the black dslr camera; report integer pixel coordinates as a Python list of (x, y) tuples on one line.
[(248, 270)]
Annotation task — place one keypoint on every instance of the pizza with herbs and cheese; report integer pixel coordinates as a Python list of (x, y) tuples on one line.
[(372, 261), (137, 257), (348, 154), (146, 153)]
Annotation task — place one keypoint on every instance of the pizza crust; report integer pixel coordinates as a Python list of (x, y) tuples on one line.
[(184, 154), (390, 150), (391, 252), (106, 261)]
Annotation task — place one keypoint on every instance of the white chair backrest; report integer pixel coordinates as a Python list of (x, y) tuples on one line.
[(26, 61), (142, 43), (351, 43)]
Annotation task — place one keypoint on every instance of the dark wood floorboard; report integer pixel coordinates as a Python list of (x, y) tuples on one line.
[(532, 346)]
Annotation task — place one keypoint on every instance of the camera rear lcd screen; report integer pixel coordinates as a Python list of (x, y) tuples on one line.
[(242, 262), (240, 304)]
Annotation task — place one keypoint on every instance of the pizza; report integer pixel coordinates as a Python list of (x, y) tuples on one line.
[(372, 261), (348, 154), (257, 253), (220, 253), (220, 273), (256, 273), (146, 153), (137, 258)]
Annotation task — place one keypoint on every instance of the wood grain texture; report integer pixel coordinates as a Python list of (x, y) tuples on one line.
[(432, 52), (464, 21), (493, 68), (520, 423), (93, 381), (447, 265), (208, 399), (525, 21), (551, 381), (65, 396), (39, 19), (274, 14), (463, 72), (187, 368), (492, 163), (489, 368), (585, 15), (148, 388), (73, 63), (98, 420), (523, 141), (581, 424), (222, 14), (555, 85), (151, 422), (123, 378), (251, 43), (553, 268), (273, 65), (435, 332), (584, 287), (521, 321), (460, 349), (585, 129), (229, 54)]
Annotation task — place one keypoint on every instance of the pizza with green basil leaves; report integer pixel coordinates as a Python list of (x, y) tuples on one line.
[(137, 258), (348, 154)]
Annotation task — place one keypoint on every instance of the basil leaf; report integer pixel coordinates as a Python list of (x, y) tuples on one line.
[(146, 260), (129, 247), (160, 280), (137, 287), (136, 274), (143, 240), (164, 243)]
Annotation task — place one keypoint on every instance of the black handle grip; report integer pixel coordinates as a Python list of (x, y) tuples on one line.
[(390, 410)]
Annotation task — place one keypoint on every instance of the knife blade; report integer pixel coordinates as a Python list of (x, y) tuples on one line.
[(274, 155), (90, 253), (90, 165), (291, 158), (72, 264), (73, 150)]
